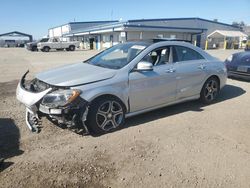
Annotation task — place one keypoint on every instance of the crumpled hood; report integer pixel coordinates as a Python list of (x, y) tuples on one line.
[(75, 74)]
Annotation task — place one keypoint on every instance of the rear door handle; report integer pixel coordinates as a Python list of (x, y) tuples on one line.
[(170, 70), (202, 66)]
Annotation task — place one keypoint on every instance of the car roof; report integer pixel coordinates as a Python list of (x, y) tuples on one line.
[(160, 42), (156, 40), (184, 44), (169, 39)]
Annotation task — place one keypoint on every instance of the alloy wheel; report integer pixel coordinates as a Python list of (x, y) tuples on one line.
[(211, 90), (109, 115)]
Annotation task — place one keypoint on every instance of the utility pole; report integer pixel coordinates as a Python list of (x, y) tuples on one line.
[(112, 15)]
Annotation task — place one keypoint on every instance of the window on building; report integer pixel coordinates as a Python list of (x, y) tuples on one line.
[(106, 38), (173, 36)]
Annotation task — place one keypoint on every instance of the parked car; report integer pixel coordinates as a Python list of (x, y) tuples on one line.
[(32, 46), (238, 65), (55, 43), (246, 43), (122, 81)]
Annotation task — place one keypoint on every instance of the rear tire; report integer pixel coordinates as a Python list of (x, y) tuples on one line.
[(72, 48), (46, 49), (106, 114), (210, 91)]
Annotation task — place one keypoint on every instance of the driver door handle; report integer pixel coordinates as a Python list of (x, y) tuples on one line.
[(202, 66), (171, 70)]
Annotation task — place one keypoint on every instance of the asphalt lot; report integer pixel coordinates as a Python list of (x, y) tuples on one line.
[(186, 145)]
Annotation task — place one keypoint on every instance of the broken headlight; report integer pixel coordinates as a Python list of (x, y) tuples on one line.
[(60, 98)]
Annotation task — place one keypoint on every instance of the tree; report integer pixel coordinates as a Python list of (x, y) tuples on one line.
[(238, 24)]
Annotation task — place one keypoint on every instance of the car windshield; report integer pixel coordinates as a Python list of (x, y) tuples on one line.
[(119, 55)]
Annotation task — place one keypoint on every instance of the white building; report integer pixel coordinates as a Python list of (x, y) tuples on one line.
[(103, 35), (62, 30)]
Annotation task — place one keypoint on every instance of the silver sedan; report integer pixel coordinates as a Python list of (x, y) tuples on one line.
[(125, 80)]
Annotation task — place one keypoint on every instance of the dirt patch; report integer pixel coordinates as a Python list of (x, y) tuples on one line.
[(8, 88), (93, 172)]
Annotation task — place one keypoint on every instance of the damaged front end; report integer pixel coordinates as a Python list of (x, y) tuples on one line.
[(62, 105)]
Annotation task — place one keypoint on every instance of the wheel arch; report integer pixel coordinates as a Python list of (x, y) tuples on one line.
[(203, 97), (108, 96), (216, 77), (211, 76)]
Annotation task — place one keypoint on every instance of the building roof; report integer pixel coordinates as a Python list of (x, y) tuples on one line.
[(224, 33), (17, 34), (87, 22), (146, 25), (126, 25), (189, 18), (246, 29), (111, 21)]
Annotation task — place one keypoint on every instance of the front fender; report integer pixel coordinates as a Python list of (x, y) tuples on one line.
[(120, 92)]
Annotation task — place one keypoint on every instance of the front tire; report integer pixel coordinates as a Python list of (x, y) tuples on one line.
[(106, 114), (34, 48), (210, 91)]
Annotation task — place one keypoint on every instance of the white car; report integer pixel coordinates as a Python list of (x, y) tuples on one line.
[(55, 43)]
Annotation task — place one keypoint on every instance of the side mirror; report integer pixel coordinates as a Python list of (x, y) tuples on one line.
[(144, 66)]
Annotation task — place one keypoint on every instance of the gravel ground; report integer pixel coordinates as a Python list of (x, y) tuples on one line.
[(186, 145)]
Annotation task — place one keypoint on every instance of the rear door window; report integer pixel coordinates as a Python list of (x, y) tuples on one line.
[(182, 53), (55, 40)]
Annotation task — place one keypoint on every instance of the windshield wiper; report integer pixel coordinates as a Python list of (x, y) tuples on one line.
[(99, 65)]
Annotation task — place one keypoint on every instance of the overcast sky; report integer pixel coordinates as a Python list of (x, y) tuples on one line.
[(36, 16)]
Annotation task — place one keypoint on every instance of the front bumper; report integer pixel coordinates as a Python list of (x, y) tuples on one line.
[(39, 47), (71, 115), (28, 47), (30, 100)]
